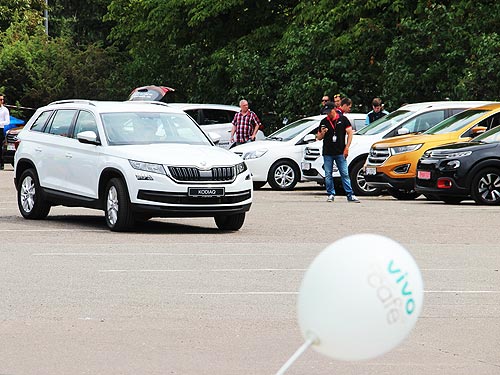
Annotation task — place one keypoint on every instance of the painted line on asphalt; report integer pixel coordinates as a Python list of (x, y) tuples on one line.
[(212, 270), (295, 293), (161, 254)]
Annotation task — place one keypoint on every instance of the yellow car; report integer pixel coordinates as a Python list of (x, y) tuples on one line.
[(392, 163)]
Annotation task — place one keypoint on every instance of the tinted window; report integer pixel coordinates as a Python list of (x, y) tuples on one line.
[(490, 136), (194, 113), (40, 121), (385, 122), (217, 116), (456, 122), (61, 122), (489, 123), (85, 122)]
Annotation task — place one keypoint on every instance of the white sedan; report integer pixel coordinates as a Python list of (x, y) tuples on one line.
[(276, 160)]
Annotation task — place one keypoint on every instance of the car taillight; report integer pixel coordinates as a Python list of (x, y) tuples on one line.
[(444, 183), (16, 143)]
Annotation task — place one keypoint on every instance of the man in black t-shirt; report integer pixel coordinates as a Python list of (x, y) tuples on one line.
[(333, 130)]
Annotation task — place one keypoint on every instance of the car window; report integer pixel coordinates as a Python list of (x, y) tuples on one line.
[(385, 122), (490, 136), (129, 128), (291, 130), (217, 116), (194, 113), (420, 123), (61, 122), (489, 123), (457, 121), (39, 123), (85, 122)]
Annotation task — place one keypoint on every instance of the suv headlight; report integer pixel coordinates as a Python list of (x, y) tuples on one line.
[(403, 149), (254, 154), (240, 168), (147, 167)]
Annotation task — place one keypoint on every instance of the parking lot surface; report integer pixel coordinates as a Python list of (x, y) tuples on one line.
[(177, 296)]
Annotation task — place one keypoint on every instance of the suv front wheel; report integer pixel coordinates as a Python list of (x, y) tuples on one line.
[(230, 222), (29, 196), (117, 207)]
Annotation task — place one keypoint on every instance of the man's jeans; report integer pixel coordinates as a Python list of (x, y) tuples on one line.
[(344, 173)]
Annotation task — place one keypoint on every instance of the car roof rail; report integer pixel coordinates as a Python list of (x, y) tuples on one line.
[(86, 101), (147, 102)]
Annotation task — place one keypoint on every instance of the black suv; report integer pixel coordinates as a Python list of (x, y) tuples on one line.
[(459, 171)]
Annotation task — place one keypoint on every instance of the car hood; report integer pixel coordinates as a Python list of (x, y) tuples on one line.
[(258, 145), (177, 154), (416, 139), (466, 146)]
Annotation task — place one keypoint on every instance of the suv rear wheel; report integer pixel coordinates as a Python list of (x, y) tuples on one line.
[(29, 196), (117, 207)]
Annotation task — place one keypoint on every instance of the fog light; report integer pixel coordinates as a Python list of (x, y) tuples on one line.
[(444, 183), (402, 169)]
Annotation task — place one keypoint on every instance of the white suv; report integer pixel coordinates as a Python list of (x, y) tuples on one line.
[(411, 118), (134, 160)]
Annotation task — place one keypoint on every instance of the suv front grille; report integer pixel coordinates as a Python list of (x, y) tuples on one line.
[(11, 138), (378, 156), (193, 174)]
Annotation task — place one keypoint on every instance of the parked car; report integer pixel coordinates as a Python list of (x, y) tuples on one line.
[(215, 118), (276, 160), (9, 143), (460, 171), (392, 163), (133, 161), (411, 118)]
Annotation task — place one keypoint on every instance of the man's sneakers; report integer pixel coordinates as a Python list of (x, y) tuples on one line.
[(353, 199), (330, 198)]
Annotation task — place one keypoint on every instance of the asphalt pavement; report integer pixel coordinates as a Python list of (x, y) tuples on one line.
[(177, 296)]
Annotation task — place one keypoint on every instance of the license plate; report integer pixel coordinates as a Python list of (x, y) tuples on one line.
[(206, 192), (370, 171), (11, 148), (424, 175), (306, 166)]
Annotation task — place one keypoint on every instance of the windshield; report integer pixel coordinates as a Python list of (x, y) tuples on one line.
[(456, 122), (290, 131), (134, 128), (385, 122), (490, 136)]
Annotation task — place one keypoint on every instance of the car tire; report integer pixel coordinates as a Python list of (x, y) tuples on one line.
[(283, 175), (452, 200), (30, 200), (117, 210), (358, 182), (485, 187), (230, 222), (258, 184), (403, 195)]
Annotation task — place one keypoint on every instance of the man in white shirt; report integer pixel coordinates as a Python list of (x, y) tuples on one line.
[(4, 120)]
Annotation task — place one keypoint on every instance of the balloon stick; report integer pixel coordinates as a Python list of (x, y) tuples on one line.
[(296, 355)]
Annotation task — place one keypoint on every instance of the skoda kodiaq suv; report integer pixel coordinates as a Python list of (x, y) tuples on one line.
[(133, 160)]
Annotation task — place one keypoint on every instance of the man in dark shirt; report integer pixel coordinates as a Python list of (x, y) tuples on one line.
[(333, 130)]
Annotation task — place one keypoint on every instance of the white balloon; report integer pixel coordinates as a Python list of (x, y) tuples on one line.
[(360, 297)]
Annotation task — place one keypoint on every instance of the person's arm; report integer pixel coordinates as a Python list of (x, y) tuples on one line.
[(321, 132), (367, 120), (349, 133), (257, 125), (233, 129)]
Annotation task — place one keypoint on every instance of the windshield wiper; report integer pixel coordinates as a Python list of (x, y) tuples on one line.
[(275, 138)]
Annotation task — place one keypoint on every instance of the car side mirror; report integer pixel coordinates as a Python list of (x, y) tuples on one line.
[(89, 137), (403, 131), (476, 130), (309, 138), (215, 138)]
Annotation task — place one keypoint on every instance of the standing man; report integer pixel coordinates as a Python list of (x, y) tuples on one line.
[(324, 100), (4, 120), (333, 130), (345, 106), (377, 112), (245, 125)]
